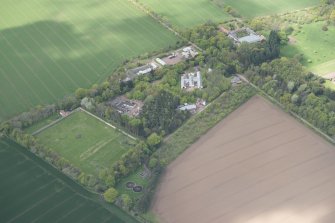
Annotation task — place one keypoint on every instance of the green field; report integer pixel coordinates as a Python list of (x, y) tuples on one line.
[(317, 47), (253, 8), (49, 48), (33, 191), (86, 142), (187, 13)]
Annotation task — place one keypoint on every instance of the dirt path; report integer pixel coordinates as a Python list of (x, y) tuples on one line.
[(259, 165)]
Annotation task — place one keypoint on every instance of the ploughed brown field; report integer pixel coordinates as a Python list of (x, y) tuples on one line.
[(259, 165)]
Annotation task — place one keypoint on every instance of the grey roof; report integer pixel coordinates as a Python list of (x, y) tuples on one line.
[(251, 39), (187, 107)]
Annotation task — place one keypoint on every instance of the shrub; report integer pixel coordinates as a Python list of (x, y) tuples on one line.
[(110, 195)]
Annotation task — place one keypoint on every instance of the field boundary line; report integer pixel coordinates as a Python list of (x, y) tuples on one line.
[(145, 22), (146, 11), (107, 123), (295, 115)]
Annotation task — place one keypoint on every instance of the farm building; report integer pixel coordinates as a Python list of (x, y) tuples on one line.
[(246, 35), (160, 61), (125, 106), (191, 80), (189, 52), (174, 58), (64, 113), (236, 80), (133, 73), (180, 55), (193, 108), (188, 107)]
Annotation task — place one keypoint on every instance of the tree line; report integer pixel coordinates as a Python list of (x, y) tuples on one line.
[(298, 90)]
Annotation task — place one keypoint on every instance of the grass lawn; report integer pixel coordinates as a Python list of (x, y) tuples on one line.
[(50, 48), (86, 142), (33, 191), (187, 13), (317, 46), (253, 8)]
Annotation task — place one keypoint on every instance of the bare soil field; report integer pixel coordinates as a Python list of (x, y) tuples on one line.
[(259, 165)]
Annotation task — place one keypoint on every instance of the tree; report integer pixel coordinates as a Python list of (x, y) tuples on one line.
[(153, 162), (290, 86), (327, 2), (80, 93), (68, 103), (249, 54), (110, 195), (126, 201), (273, 45), (110, 180), (257, 24), (160, 113), (154, 140), (332, 16), (87, 103)]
